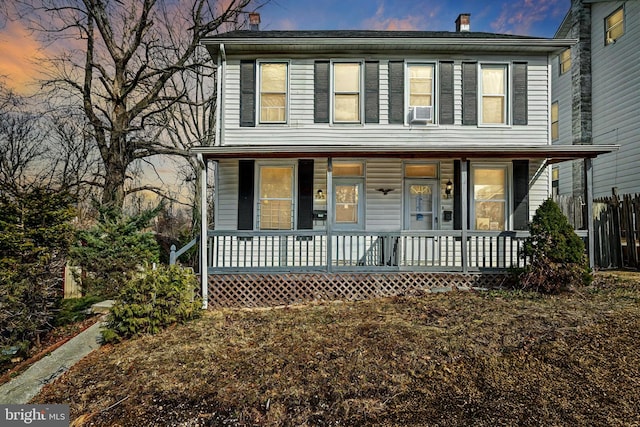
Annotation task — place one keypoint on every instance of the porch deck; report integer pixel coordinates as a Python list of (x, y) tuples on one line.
[(271, 268)]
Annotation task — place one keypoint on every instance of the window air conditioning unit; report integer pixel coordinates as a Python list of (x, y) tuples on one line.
[(422, 114)]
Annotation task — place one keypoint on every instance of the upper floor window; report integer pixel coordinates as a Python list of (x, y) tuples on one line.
[(346, 92), (273, 92), (493, 83), (614, 26), (565, 61), (421, 88), (554, 121)]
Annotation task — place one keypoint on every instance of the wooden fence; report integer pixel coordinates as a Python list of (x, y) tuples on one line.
[(617, 231), (616, 222)]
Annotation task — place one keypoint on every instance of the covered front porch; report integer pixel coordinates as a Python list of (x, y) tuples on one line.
[(258, 266)]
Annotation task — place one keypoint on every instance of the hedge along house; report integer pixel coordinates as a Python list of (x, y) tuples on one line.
[(351, 164)]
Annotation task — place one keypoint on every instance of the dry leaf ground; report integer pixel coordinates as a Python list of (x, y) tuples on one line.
[(493, 358)]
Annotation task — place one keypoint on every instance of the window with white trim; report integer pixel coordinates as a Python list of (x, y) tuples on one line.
[(614, 26), (275, 209), (347, 87), (564, 60), (420, 86), (273, 92), (493, 89), (490, 197)]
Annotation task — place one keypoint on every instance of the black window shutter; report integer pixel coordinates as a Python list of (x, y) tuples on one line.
[(521, 194), (321, 92), (446, 94), (520, 90), (372, 92), (469, 93), (396, 92), (245, 194), (457, 195), (305, 194), (247, 93)]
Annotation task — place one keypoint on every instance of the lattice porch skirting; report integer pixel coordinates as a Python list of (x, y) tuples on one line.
[(269, 290)]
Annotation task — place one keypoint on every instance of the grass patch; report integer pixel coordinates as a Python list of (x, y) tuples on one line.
[(454, 359)]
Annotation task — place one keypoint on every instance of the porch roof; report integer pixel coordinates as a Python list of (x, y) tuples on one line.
[(552, 153)]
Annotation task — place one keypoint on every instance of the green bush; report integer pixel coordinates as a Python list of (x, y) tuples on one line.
[(74, 310), (114, 250), (35, 235), (152, 301), (557, 255)]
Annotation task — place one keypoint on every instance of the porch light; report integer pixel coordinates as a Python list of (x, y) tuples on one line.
[(319, 194), (448, 188)]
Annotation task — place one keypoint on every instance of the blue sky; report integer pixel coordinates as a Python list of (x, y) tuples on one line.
[(538, 18)]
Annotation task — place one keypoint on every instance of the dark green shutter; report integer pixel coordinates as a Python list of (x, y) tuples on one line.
[(457, 195), (521, 194), (247, 93), (321, 92), (520, 90), (305, 194), (446, 110), (469, 93), (246, 176), (396, 92), (372, 92)]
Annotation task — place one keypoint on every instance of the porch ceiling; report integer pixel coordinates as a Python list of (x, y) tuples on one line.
[(552, 153)]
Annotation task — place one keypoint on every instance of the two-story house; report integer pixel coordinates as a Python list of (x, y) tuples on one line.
[(595, 85), (356, 163)]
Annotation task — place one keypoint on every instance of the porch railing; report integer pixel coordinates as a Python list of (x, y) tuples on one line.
[(302, 251)]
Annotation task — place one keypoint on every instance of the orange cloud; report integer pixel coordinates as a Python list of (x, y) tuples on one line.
[(415, 22), (20, 53), (518, 17)]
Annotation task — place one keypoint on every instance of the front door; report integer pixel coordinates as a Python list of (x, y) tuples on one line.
[(420, 214)]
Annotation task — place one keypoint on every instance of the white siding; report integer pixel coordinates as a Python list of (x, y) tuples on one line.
[(561, 93), (539, 184), (616, 87), (384, 213), (302, 131), (227, 191)]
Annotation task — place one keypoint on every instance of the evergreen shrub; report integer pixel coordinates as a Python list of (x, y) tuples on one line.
[(557, 255), (35, 236), (152, 301), (114, 250)]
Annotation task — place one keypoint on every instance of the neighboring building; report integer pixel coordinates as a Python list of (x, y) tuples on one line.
[(595, 86), (358, 163)]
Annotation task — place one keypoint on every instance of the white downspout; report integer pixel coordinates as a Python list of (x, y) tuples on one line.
[(204, 268), (222, 59)]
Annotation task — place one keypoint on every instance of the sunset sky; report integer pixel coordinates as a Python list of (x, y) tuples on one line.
[(19, 50)]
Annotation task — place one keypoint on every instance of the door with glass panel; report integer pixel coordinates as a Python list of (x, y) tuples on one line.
[(275, 212), (348, 215), (420, 214)]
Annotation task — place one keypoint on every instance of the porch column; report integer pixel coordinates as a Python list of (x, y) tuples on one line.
[(588, 170), (329, 224), (464, 209), (204, 269)]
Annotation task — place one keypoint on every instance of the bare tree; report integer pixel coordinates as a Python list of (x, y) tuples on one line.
[(21, 147), (118, 60), (191, 121)]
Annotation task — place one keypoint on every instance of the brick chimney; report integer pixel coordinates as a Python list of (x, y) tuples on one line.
[(254, 21), (463, 23)]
